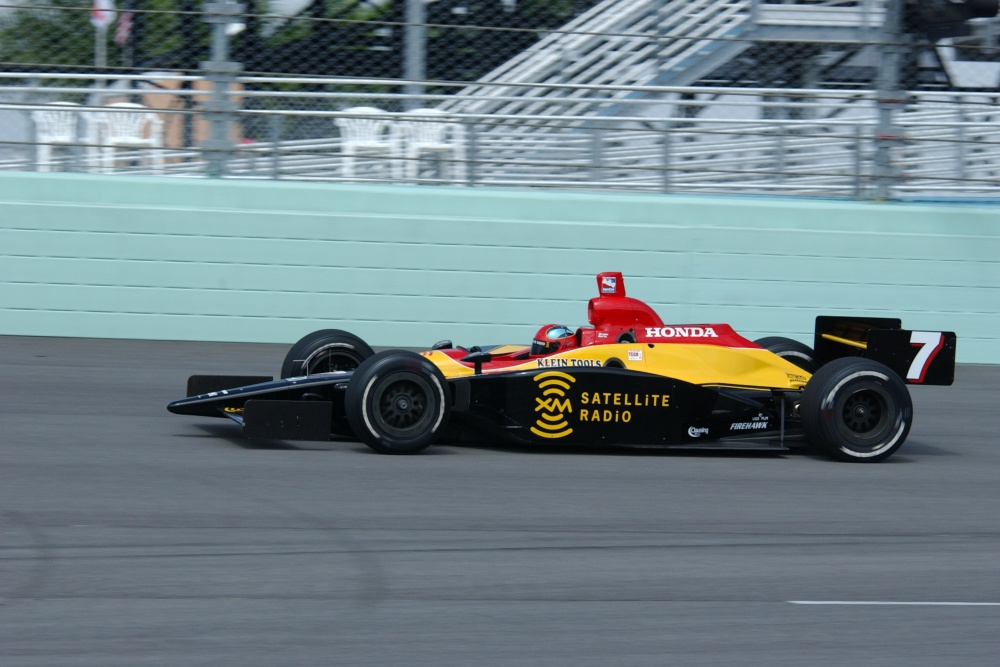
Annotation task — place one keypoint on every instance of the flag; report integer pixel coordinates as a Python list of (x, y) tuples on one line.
[(124, 28), (102, 14)]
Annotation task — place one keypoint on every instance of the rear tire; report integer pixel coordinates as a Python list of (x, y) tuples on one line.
[(397, 402), (323, 352), (856, 409), (790, 350)]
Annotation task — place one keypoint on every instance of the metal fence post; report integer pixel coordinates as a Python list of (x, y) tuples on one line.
[(274, 128), (596, 155), (890, 99), (858, 160), (665, 177), (472, 156), (960, 139), (415, 52), (220, 109), (781, 166)]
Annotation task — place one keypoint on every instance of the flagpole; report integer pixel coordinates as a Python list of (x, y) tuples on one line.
[(102, 15), (100, 58), (101, 47)]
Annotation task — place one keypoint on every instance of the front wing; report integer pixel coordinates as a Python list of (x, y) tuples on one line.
[(301, 408)]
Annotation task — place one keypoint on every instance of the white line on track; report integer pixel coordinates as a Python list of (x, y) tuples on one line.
[(889, 603)]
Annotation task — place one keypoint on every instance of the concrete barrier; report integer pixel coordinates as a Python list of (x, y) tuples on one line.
[(266, 261)]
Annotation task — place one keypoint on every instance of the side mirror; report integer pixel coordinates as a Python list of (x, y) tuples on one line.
[(478, 359)]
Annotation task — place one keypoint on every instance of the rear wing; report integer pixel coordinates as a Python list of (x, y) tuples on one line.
[(918, 357)]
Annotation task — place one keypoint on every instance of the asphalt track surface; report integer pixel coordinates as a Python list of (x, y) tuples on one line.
[(131, 536)]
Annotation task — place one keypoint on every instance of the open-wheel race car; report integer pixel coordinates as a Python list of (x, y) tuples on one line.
[(628, 380)]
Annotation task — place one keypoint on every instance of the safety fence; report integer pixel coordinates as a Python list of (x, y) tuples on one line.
[(833, 98)]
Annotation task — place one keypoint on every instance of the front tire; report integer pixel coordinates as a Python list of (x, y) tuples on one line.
[(397, 402), (856, 409), (324, 352), (791, 350)]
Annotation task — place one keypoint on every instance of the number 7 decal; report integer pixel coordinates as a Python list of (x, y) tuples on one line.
[(930, 343)]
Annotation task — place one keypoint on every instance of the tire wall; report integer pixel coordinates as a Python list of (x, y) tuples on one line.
[(268, 261)]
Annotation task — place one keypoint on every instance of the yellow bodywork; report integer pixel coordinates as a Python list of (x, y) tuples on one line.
[(694, 363)]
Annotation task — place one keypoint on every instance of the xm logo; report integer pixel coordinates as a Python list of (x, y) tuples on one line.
[(553, 404)]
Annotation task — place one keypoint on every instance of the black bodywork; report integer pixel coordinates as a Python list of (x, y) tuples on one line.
[(605, 407)]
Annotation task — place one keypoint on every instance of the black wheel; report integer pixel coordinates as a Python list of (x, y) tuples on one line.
[(323, 352), (397, 402), (856, 409), (797, 353)]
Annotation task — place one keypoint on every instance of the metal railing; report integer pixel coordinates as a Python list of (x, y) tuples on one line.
[(823, 145), (563, 130)]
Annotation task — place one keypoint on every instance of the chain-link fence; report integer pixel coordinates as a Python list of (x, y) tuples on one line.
[(844, 98)]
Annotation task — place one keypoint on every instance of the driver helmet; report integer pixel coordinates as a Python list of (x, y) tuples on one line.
[(553, 338)]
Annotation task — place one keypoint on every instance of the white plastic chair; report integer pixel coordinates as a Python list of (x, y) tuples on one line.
[(367, 130), (129, 126), (64, 124), (432, 131)]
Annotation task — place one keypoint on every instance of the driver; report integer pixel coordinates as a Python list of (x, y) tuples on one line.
[(553, 338)]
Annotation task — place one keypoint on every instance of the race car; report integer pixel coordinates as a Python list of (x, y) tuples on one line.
[(628, 379)]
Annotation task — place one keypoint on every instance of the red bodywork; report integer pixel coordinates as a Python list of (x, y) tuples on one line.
[(617, 318)]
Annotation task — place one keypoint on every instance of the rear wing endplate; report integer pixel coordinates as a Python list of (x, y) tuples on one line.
[(918, 357)]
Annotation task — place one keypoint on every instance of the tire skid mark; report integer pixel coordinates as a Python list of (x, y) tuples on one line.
[(42, 565), (373, 589)]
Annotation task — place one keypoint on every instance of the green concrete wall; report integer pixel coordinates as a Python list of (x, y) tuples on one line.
[(265, 261)]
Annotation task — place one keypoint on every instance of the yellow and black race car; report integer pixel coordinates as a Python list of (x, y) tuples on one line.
[(628, 380)]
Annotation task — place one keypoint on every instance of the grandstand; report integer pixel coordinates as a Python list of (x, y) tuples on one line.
[(704, 96), (685, 95)]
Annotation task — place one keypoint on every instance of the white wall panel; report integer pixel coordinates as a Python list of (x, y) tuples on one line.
[(100, 256)]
